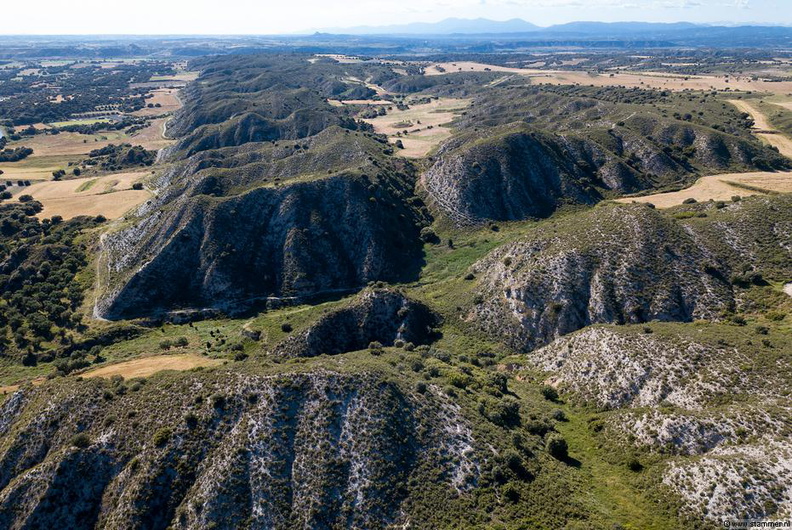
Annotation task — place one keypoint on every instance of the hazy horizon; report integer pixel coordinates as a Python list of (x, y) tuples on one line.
[(203, 18)]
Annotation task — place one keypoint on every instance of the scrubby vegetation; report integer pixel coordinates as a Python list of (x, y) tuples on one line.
[(39, 261), (118, 157)]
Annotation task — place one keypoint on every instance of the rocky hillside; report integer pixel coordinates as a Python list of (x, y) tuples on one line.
[(517, 173), (318, 449), (704, 393), (298, 240), (242, 224), (630, 264), (378, 316), (352, 441), (241, 214), (541, 150), (282, 90)]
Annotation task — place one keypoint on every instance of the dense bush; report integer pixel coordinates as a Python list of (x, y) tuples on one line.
[(557, 446), (14, 155)]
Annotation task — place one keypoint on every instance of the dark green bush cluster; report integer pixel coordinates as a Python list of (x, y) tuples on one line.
[(39, 262), (115, 157), (14, 155)]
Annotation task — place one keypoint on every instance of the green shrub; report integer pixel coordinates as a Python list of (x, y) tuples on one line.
[(429, 236), (634, 465), (549, 393), (81, 441), (459, 380), (557, 447), (218, 401), (504, 412), (161, 437), (511, 492)]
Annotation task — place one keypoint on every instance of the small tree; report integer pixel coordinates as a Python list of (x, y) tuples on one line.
[(557, 447), (549, 393)]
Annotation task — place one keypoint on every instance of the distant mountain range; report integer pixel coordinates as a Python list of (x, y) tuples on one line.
[(482, 26), (448, 26)]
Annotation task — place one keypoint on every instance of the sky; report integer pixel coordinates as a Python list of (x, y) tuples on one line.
[(53, 17)]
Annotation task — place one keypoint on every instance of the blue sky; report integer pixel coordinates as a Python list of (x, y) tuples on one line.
[(268, 16)]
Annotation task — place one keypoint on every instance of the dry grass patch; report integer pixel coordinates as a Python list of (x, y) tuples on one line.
[(153, 137), (721, 188), (470, 66), (660, 80), (786, 104), (9, 389), (67, 143), (36, 169), (424, 123), (110, 196), (147, 366), (167, 99), (372, 102)]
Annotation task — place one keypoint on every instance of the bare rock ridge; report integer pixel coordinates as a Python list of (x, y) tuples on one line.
[(383, 316)]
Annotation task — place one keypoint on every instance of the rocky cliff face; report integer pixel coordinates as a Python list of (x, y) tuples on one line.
[(318, 449), (337, 233), (382, 316)]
